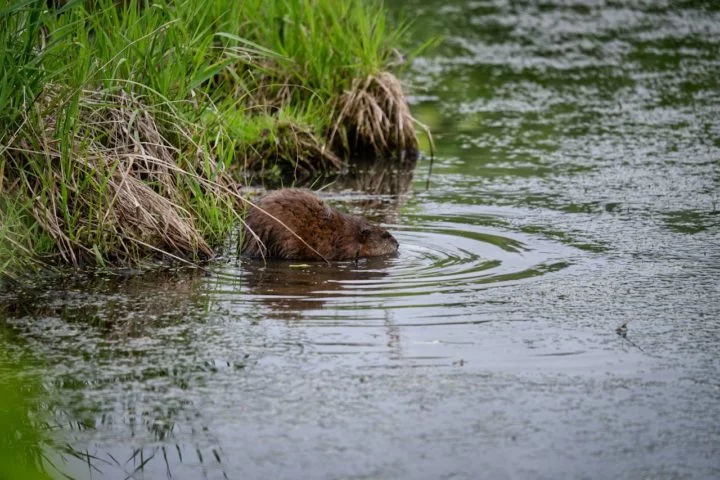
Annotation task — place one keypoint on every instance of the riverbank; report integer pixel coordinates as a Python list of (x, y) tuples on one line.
[(127, 130)]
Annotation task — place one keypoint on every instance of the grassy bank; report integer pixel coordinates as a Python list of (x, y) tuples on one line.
[(126, 127)]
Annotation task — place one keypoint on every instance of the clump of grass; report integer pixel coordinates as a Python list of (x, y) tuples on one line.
[(281, 147), (22, 241), (375, 118), (122, 122), (328, 68), (113, 188), (297, 146)]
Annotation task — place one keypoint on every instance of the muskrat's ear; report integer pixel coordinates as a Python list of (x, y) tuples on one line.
[(365, 233)]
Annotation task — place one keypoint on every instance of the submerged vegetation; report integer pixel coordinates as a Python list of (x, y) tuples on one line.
[(128, 127)]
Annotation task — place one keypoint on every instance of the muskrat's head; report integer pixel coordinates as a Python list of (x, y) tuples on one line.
[(358, 238), (375, 241)]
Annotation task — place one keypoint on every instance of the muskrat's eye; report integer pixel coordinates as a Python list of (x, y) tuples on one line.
[(386, 235)]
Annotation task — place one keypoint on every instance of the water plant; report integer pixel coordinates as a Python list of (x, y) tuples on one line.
[(127, 127)]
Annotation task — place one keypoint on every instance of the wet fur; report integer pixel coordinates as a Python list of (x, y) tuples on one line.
[(333, 234)]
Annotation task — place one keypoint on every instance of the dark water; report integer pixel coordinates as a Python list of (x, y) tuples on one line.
[(576, 189)]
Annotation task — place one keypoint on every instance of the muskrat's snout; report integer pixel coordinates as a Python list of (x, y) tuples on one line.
[(387, 244), (387, 236)]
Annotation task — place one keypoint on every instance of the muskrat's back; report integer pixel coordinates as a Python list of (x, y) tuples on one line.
[(326, 233)]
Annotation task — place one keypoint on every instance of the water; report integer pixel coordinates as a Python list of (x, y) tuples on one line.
[(575, 191)]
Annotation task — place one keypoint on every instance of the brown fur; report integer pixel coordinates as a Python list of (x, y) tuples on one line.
[(332, 234)]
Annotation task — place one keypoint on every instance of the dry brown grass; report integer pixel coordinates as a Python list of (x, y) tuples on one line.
[(117, 189), (375, 117)]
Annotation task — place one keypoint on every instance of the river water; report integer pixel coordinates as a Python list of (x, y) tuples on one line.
[(554, 310)]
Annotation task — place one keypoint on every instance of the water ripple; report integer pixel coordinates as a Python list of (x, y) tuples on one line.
[(441, 266)]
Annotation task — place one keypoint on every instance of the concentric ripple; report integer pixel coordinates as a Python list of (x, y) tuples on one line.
[(441, 264)]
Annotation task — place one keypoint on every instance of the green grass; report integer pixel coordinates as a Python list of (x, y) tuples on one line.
[(125, 126)]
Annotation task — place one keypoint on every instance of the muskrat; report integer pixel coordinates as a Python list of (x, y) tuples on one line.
[(329, 233)]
